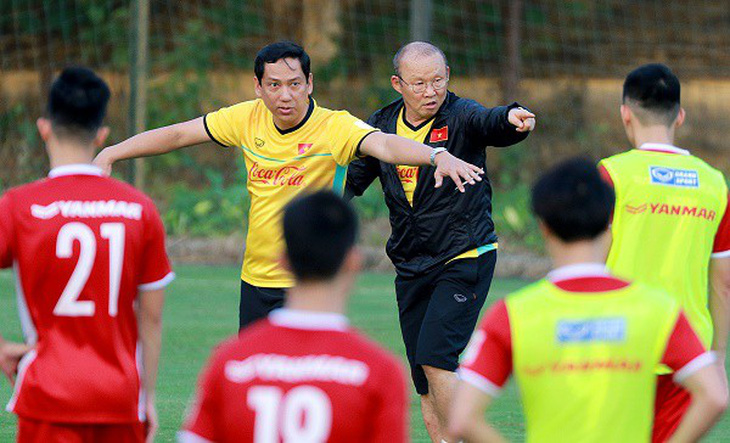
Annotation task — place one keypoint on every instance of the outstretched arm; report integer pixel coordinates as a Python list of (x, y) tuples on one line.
[(154, 142), (500, 126), (402, 151)]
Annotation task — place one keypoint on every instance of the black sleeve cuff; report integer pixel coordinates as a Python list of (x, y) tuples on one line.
[(358, 154), (205, 124)]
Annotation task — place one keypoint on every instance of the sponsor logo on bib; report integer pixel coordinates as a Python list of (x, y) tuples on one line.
[(594, 330), (684, 178)]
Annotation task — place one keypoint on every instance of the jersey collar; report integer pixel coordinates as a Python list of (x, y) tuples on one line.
[(663, 147), (313, 321), (580, 270), (78, 169), (409, 125), (312, 104)]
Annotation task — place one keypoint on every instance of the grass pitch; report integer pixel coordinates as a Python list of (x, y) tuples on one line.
[(202, 310)]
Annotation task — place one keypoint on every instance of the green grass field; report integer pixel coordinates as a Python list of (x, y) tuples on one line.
[(202, 309)]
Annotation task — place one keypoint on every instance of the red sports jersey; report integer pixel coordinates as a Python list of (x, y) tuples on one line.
[(489, 366), (300, 377), (82, 247)]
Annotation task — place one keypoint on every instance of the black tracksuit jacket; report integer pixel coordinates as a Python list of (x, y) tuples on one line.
[(443, 222)]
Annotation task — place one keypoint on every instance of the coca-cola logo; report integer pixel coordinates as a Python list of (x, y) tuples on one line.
[(408, 174), (284, 176)]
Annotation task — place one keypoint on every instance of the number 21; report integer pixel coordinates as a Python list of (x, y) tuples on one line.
[(69, 304)]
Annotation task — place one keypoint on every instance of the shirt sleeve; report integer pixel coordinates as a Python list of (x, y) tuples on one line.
[(201, 423), (346, 132), (487, 362), (156, 270), (492, 127), (390, 421), (6, 232), (721, 247), (226, 125), (605, 175), (685, 354), (360, 175)]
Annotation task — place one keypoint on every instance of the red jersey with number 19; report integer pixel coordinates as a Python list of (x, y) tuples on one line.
[(300, 377), (82, 246)]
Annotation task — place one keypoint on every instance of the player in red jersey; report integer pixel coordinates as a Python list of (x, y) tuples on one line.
[(302, 374), (89, 256)]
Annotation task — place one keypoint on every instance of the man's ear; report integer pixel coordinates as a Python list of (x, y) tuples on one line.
[(395, 83), (257, 86), (101, 136), (626, 115), (544, 230), (44, 128), (310, 84), (679, 121), (353, 261)]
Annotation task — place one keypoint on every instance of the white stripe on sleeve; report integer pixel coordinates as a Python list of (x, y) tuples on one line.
[(479, 381), (159, 284), (695, 365), (190, 437)]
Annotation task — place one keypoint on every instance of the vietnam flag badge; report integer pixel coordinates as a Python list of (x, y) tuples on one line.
[(439, 135), (303, 147)]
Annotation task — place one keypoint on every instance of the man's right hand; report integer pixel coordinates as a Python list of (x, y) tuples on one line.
[(10, 355), (103, 161), (457, 169)]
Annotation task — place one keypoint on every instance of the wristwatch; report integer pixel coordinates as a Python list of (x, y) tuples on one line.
[(434, 153)]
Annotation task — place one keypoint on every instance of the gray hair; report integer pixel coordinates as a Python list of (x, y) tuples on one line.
[(417, 48)]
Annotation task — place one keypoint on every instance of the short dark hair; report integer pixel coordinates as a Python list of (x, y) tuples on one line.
[(276, 51), (573, 200), (319, 230), (655, 91), (77, 102)]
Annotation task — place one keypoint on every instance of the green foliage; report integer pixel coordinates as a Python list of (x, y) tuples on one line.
[(212, 210), (513, 217), (371, 204)]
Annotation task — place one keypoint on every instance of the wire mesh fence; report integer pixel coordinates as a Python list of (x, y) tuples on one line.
[(565, 59)]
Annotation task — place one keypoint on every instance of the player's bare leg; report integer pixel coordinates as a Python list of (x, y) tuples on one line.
[(430, 419), (441, 385)]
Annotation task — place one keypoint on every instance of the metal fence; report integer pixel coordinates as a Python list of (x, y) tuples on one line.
[(172, 60)]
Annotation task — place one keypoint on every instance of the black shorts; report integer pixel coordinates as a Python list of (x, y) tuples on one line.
[(438, 312), (257, 302)]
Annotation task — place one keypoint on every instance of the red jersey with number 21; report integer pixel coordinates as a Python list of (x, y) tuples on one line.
[(82, 247)]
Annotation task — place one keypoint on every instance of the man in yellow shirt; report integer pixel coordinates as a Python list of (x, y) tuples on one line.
[(290, 146), (671, 226), (582, 343)]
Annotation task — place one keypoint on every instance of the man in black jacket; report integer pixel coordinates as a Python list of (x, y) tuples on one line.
[(443, 243)]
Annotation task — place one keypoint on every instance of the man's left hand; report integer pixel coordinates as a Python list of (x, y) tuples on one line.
[(522, 119)]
